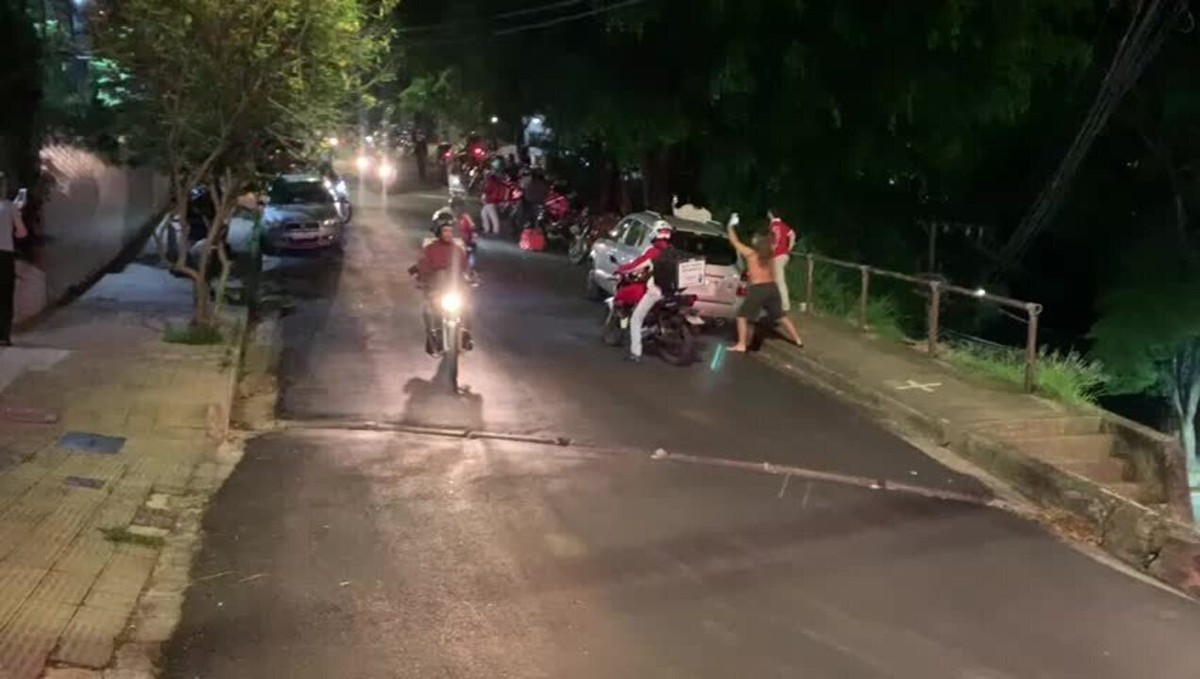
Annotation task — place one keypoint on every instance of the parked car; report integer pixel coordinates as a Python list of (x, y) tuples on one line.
[(302, 213), (721, 295)]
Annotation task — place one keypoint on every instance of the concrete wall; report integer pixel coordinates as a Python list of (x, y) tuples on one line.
[(93, 211)]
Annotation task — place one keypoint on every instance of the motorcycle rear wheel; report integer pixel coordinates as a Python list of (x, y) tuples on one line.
[(675, 342)]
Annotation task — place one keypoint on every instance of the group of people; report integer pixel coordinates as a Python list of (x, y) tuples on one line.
[(766, 267), (500, 190)]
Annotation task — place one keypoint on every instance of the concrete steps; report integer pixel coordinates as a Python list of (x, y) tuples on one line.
[(1042, 427), (1089, 455)]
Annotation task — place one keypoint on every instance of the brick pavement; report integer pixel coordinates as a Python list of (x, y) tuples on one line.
[(81, 532)]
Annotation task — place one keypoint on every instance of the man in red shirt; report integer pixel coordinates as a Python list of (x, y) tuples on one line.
[(495, 194), (783, 239)]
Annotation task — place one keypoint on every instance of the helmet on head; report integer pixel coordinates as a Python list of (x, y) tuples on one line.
[(443, 217), (661, 230)]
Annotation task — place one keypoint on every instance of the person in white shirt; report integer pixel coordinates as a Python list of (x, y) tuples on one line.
[(12, 229)]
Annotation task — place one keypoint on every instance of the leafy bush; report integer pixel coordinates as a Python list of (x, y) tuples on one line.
[(1068, 377), (193, 334)]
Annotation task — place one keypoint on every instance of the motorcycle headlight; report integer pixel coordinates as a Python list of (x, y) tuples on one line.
[(455, 180), (341, 186), (363, 163), (451, 302)]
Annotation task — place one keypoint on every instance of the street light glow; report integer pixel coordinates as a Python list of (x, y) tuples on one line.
[(386, 171), (980, 292), (495, 119), (363, 162)]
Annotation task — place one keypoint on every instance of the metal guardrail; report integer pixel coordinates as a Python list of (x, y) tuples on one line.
[(933, 309)]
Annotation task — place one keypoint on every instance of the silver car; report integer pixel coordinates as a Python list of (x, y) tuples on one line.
[(720, 296), (302, 213)]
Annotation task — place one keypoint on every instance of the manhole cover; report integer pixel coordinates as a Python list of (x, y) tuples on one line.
[(87, 442)]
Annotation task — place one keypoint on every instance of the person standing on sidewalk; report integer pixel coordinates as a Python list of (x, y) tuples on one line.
[(783, 239), (12, 229), (763, 293)]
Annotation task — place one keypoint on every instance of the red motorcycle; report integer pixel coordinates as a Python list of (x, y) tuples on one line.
[(562, 217)]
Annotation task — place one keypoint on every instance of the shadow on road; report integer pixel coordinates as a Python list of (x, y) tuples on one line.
[(433, 402)]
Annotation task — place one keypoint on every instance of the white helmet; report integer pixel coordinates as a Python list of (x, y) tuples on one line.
[(661, 230)]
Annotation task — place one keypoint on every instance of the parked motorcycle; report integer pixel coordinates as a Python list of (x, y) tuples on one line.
[(669, 329), (584, 234), (561, 216)]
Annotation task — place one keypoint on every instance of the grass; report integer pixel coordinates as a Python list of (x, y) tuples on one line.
[(193, 334), (123, 536), (836, 296), (1068, 377)]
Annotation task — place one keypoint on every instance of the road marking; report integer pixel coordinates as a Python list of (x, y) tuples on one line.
[(927, 387)]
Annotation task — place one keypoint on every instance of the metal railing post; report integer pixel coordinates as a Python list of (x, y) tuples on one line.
[(808, 283), (1031, 349), (935, 310), (862, 297)]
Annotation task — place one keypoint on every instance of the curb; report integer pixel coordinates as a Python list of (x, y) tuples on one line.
[(1148, 540)]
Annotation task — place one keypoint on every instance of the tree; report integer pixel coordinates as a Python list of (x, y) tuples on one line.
[(1148, 332), (210, 83), (20, 90), (827, 106)]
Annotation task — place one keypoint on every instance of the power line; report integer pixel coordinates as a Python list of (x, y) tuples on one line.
[(528, 27), (458, 23), (570, 17)]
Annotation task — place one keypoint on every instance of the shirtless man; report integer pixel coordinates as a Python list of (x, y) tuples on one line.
[(763, 293)]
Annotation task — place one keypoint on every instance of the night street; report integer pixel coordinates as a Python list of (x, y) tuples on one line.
[(337, 552)]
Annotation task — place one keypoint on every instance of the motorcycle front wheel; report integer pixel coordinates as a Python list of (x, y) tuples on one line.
[(451, 344), (612, 334), (675, 341), (578, 251)]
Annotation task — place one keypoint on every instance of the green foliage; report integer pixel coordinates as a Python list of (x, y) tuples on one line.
[(837, 296), (1069, 377), (123, 536), (1149, 316), (193, 334)]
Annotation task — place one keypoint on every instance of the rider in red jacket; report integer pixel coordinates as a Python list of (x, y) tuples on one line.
[(645, 294)]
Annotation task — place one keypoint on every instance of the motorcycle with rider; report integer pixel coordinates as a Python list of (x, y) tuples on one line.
[(650, 303)]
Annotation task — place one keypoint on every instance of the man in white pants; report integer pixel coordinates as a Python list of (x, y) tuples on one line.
[(783, 239)]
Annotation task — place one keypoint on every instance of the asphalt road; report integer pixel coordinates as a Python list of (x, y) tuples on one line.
[(343, 553)]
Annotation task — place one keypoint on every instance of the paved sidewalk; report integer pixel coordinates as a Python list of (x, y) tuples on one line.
[(82, 528)]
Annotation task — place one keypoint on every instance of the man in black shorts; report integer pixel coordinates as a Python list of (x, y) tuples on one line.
[(763, 294)]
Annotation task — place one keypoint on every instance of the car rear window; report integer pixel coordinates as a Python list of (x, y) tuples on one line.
[(299, 193), (715, 250)]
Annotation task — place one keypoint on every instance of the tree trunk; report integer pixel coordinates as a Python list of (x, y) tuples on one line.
[(656, 180)]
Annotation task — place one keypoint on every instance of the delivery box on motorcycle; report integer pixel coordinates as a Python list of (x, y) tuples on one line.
[(532, 240), (677, 270)]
